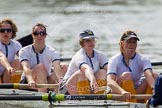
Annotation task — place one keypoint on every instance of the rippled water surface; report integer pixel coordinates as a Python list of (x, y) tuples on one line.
[(107, 18)]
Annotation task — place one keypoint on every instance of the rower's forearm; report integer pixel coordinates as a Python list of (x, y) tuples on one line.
[(151, 81), (4, 62), (150, 78), (115, 87), (59, 74), (89, 74), (29, 78), (28, 75)]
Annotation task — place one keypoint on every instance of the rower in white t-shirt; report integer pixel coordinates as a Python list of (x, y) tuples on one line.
[(9, 49), (87, 69), (37, 61), (125, 70)]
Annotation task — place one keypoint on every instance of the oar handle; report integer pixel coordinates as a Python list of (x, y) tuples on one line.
[(18, 72), (24, 86), (133, 96), (102, 88), (141, 96)]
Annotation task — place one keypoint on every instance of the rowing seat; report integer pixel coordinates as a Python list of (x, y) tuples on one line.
[(16, 79)]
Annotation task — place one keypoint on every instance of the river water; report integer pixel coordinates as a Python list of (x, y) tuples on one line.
[(65, 19)]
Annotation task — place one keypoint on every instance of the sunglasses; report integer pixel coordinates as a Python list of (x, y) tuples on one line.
[(8, 30), (42, 33)]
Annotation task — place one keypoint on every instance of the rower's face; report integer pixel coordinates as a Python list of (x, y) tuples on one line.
[(129, 46), (39, 33), (6, 32), (89, 43)]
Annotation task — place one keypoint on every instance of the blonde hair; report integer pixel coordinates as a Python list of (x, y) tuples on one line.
[(121, 48)]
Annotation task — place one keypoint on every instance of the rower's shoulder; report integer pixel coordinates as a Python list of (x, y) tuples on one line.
[(49, 48)]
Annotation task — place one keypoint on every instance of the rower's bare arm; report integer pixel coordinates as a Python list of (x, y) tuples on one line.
[(106, 67), (88, 71), (90, 75), (111, 82), (3, 60), (149, 77), (27, 70), (57, 69)]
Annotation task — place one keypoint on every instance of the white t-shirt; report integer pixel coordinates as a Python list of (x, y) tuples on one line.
[(10, 51), (98, 60), (46, 57), (137, 65)]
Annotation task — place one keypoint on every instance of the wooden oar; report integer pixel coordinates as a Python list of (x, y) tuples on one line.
[(26, 86), (18, 72), (62, 97)]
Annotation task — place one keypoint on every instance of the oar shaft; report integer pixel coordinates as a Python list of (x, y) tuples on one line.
[(61, 97), (65, 59), (85, 97), (23, 86), (26, 86), (23, 97), (156, 63)]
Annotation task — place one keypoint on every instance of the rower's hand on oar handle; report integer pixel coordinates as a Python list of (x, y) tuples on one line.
[(107, 89), (32, 84), (11, 71), (126, 95), (94, 87)]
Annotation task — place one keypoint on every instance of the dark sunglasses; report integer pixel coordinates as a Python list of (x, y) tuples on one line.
[(42, 33), (8, 30)]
